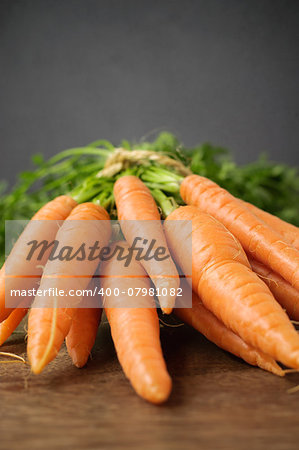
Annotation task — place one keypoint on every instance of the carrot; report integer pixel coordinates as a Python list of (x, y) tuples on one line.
[(82, 334), (20, 269), (228, 287), (48, 326), (135, 330), (258, 239), (200, 318), (285, 294), (289, 232), (135, 203), (8, 326)]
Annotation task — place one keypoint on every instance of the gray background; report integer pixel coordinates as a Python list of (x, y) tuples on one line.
[(221, 71)]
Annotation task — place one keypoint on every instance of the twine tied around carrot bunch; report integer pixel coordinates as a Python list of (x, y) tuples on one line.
[(122, 159)]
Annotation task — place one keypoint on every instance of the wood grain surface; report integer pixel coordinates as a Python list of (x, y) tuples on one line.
[(218, 402)]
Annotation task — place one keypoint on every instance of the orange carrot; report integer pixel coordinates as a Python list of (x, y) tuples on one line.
[(228, 287), (257, 238), (16, 264), (135, 330), (49, 325), (135, 203), (8, 326), (82, 334), (289, 232), (200, 318), (285, 294)]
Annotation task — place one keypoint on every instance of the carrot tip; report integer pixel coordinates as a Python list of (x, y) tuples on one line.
[(158, 396), (37, 368), (37, 364), (79, 362), (79, 358)]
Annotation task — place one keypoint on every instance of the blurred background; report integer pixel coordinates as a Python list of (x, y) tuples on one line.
[(222, 71)]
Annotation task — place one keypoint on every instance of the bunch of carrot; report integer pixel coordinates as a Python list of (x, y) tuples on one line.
[(245, 280)]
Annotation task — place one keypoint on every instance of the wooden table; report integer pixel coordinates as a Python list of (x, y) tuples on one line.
[(218, 402)]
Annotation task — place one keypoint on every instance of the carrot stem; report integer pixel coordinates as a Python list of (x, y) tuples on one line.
[(167, 204)]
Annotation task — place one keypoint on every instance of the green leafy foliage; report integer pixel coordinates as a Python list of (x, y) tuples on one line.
[(270, 186), (51, 178)]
